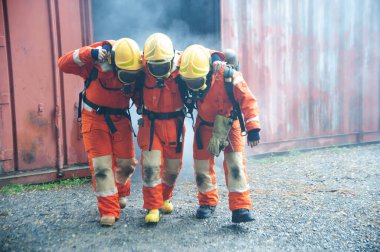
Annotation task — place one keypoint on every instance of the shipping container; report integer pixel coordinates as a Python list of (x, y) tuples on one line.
[(314, 67)]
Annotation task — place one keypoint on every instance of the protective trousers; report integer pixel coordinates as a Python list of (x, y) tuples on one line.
[(111, 159), (162, 165), (234, 170)]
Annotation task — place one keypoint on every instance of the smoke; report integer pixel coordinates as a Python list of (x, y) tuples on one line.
[(185, 22)]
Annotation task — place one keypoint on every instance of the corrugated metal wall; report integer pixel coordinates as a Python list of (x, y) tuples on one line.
[(313, 65), (38, 128)]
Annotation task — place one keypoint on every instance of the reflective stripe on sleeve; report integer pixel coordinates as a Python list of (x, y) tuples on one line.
[(238, 79), (77, 59), (106, 193), (256, 119)]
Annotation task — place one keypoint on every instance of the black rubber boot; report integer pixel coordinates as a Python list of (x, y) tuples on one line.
[(205, 211), (242, 215)]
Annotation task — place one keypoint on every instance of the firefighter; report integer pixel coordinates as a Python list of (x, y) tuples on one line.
[(231, 58), (110, 70), (161, 128), (222, 95)]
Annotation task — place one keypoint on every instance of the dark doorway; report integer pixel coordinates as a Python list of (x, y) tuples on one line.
[(185, 22)]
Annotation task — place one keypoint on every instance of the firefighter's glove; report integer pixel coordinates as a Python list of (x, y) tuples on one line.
[(107, 46), (99, 54), (218, 141), (253, 137), (216, 62)]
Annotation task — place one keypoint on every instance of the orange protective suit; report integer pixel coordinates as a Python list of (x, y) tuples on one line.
[(162, 145), (111, 155), (217, 102)]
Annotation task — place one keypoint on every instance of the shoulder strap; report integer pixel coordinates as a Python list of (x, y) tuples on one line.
[(93, 75), (236, 112), (186, 99), (139, 88)]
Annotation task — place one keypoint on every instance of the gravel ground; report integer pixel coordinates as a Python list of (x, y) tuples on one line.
[(325, 199)]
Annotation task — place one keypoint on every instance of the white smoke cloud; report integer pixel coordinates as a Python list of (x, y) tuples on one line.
[(185, 22)]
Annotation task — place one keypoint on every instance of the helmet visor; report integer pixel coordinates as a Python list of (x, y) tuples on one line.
[(127, 76), (159, 69), (195, 84)]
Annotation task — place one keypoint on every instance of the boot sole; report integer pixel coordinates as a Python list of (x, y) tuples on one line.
[(241, 221)]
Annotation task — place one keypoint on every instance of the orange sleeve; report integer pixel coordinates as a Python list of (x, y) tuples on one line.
[(247, 102), (79, 61)]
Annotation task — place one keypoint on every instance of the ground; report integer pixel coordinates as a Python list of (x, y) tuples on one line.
[(325, 199)]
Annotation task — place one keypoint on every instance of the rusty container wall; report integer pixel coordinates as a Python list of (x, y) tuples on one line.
[(6, 129), (313, 65), (72, 36), (39, 133)]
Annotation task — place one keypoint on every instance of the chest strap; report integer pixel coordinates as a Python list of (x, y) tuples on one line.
[(198, 138), (153, 116), (106, 111)]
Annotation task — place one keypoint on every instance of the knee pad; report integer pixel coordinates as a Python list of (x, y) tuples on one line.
[(124, 169), (171, 171), (202, 176), (104, 177), (237, 179), (151, 168)]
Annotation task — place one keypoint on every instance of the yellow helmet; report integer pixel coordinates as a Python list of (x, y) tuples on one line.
[(158, 47), (126, 55), (194, 67), (126, 58), (159, 54)]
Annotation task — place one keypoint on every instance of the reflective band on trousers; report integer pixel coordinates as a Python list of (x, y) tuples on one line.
[(237, 179), (202, 176), (104, 177), (151, 163)]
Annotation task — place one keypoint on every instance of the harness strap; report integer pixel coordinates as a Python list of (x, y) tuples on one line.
[(236, 112), (93, 75), (153, 116), (106, 111), (198, 138), (179, 135)]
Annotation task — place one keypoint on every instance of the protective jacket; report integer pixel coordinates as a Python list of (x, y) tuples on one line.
[(217, 102), (160, 136), (106, 127)]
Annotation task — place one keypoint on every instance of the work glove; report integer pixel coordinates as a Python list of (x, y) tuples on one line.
[(99, 54), (253, 137), (107, 46), (217, 65), (218, 141), (216, 62)]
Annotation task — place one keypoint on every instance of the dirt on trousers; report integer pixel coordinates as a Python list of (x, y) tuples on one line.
[(325, 199)]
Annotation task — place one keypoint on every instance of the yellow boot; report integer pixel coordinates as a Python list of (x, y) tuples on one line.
[(153, 216), (107, 221), (168, 207)]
